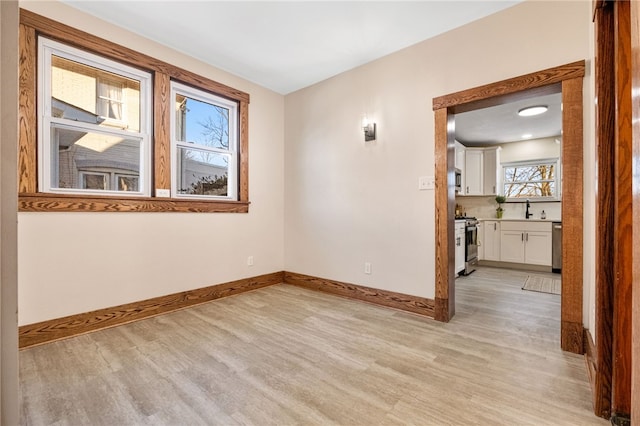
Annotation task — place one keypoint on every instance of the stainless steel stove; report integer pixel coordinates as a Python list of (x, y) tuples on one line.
[(471, 244)]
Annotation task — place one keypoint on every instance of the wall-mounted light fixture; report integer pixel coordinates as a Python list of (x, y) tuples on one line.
[(369, 130)]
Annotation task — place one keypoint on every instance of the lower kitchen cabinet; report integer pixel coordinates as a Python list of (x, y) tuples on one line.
[(525, 242), (491, 242)]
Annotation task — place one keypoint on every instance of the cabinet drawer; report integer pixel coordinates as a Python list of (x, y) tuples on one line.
[(516, 225)]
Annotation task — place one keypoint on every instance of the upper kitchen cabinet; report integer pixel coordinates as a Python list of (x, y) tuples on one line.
[(473, 171), (481, 171), (491, 175)]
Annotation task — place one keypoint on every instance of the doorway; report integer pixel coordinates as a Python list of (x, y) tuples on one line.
[(567, 79)]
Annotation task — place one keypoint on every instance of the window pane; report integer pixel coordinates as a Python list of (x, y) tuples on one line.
[(83, 93), (529, 190), (201, 123), (77, 153), (202, 172), (530, 180), (94, 181), (127, 183)]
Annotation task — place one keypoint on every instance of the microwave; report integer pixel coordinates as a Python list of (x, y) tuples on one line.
[(458, 181)]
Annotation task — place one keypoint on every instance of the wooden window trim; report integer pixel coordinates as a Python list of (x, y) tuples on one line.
[(33, 25)]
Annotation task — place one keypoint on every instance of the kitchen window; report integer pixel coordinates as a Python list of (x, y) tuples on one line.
[(531, 179), (102, 129)]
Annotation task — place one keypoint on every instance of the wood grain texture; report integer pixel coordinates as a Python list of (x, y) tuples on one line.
[(86, 41), (244, 152), (590, 357), (161, 131), (80, 203), (535, 80), (605, 214), (621, 374), (285, 355), (415, 304), (567, 79), (572, 217), (27, 139), (635, 291), (445, 198), (74, 325), (33, 24)]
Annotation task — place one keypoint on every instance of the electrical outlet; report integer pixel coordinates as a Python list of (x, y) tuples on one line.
[(250, 261), (367, 267)]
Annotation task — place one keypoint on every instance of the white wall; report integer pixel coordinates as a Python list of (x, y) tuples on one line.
[(533, 149), (347, 201), (77, 262)]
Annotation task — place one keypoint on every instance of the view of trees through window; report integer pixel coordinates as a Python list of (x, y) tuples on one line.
[(202, 129), (530, 180)]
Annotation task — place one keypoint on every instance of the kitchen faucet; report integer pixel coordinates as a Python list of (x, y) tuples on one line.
[(527, 215)]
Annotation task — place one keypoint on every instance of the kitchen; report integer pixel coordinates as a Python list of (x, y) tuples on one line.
[(508, 186)]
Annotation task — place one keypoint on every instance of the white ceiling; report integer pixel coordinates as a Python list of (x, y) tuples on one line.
[(501, 124), (288, 45)]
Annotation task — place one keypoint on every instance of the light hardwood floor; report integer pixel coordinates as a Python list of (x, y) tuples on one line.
[(285, 355)]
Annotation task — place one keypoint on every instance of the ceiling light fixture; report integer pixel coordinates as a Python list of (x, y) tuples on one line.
[(527, 136), (533, 110)]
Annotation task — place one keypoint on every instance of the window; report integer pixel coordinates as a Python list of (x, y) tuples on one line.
[(95, 115), (532, 179), (204, 144), (106, 128), (111, 102)]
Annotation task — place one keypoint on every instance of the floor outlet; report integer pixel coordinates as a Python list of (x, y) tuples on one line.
[(367, 268)]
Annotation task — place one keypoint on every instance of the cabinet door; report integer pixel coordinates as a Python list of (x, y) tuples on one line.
[(473, 172), (538, 248), (492, 240), (490, 173), (460, 149), (512, 246)]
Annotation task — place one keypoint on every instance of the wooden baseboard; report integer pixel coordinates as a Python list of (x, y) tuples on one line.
[(404, 302), (74, 325), (590, 358), (572, 337)]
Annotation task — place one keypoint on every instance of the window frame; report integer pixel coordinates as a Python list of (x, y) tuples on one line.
[(178, 88), (48, 48), (528, 163), (159, 200)]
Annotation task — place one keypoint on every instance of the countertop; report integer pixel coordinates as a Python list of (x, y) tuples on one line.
[(510, 219)]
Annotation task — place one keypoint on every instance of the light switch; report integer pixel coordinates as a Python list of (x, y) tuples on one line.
[(426, 182)]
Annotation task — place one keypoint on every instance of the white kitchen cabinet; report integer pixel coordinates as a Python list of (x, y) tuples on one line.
[(525, 242), (491, 242), (473, 171), (459, 241), (512, 246), (481, 171), (537, 248), (491, 173)]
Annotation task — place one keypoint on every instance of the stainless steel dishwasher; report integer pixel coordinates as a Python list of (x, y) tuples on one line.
[(556, 247)]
